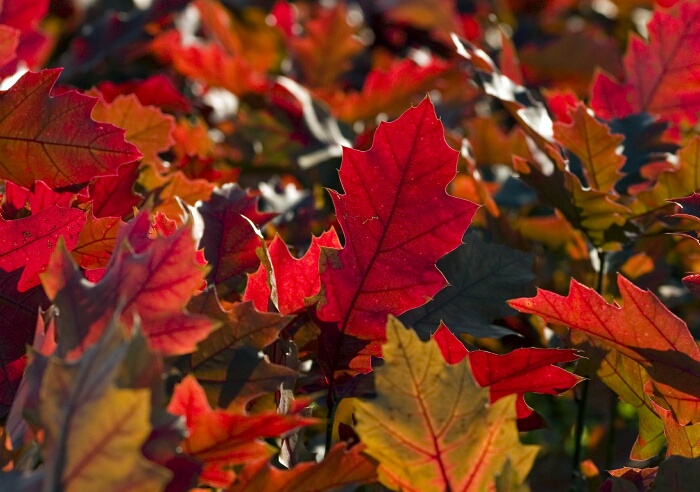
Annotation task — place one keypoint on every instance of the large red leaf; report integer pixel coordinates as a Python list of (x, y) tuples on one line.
[(398, 221), (642, 329), (295, 279), (53, 139), (661, 76), (223, 439), (29, 242)]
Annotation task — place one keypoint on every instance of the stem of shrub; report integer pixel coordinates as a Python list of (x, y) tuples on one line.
[(577, 479)]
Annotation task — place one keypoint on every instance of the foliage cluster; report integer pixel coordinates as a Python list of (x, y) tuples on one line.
[(242, 249)]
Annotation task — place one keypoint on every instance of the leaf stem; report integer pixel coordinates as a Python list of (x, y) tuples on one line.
[(577, 480)]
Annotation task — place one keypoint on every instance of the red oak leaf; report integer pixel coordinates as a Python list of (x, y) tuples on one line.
[(113, 196), (295, 279), (149, 278), (35, 200), (29, 242), (642, 329), (156, 91), (661, 76), (96, 241), (525, 370), (53, 139), (223, 439), (397, 221), (229, 241)]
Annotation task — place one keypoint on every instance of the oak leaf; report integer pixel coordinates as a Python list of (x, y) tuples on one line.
[(430, 426), (661, 75), (397, 221), (222, 439), (53, 138), (642, 328)]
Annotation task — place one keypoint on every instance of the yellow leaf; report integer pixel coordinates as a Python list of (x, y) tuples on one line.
[(430, 426)]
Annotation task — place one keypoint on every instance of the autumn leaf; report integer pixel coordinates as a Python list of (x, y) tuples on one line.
[(18, 320), (9, 40), (34, 142), (20, 201), (227, 363), (482, 277), (151, 278), (29, 242), (327, 46), (385, 91), (295, 279), (95, 430), (229, 241), (524, 370), (146, 127), (113, 196), (430, 426), (96, 241), (223, 439), (341, 467), (627, 378), (397, 221), (594, 145), (661, 76), (674, 181), (642, 328), (157, 90)]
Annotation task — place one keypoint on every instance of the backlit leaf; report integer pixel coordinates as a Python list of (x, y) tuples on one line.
[(222, 439), (151, 278), (341, 467), (36, 145), (642, 328), (146, 127), (430, 426), (397, 221), (29, 242), (661, 76), (295, 279), (229, 241)]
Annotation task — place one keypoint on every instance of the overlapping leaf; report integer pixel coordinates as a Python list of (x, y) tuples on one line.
[(661, 76), (397, 221), (149, 278), (482, 278), (29, 242), (524, 370), (340, 467), (53, 139), (229, 241), (223, 439), (295, 279), (430, 426), (95, 430), (594, 145), (642, 328), (146, 127)]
